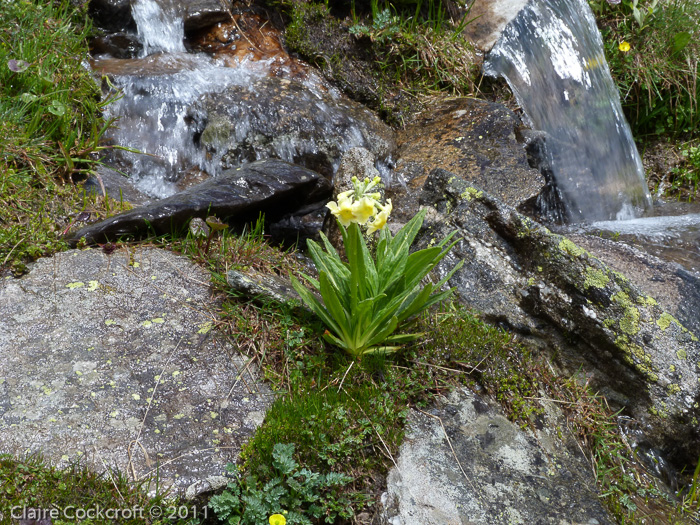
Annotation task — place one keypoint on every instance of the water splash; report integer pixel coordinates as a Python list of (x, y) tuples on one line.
[(160, 27), (152, 117), (552, 57)]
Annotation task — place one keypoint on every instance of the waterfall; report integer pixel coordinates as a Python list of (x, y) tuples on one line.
[(160, 27), (551, 55)]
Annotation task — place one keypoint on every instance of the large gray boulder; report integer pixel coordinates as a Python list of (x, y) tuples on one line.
[(547, 287), (464, 462), (114, 361)]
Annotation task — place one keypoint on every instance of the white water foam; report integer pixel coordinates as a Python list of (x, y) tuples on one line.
[(160, 27)]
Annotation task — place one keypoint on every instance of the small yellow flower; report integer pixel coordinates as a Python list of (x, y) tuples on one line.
[(380, 220), (624, 46), (343, 210), (363, 210), (277, 519)]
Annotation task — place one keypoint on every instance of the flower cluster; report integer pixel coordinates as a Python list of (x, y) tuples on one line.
[(360, 204)]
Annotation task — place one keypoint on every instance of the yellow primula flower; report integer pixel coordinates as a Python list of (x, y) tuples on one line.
[(343, 210), (380, 220), (363, 210), (277, 519), (624, 46)]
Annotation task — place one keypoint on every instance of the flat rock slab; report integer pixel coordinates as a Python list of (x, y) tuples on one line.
[(112, 359), (467, 464)]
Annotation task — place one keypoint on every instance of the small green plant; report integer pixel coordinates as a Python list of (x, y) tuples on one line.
[(686, 176), (653, 49), (293, 495), (366, 299)]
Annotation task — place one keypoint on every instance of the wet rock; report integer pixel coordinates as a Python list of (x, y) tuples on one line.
[(112, 15), (115, 186), (488, 20), (115, 15), (464, 462), (112, 360), (118, 45), (281, 118), (202, 13), (676, 289), (544, 285), (272, 187), (472, 138)]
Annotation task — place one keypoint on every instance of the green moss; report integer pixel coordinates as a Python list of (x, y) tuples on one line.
[(595, 278)]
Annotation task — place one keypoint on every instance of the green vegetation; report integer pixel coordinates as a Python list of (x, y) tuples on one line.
[(389, 55), (366, 299), (32, 484), (657, 71), (293, 492), (50, 127)]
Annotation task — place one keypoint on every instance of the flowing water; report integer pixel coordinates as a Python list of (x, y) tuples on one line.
[(161, 92), (551, 55)]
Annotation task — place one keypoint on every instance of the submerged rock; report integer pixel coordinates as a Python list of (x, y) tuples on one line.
[(112, 360), (544, 285), (273, 117), (272, 187), (464, 462)]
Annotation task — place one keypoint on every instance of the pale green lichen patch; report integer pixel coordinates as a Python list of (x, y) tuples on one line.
[(204, 328), (646, 300), (681, 354), (637, 357), (665, 320), (595, 278), (75, 285), (629, 324), (471, 193), (673, 389), (93, 285), (158, 320), (569, 248), (146, 323)]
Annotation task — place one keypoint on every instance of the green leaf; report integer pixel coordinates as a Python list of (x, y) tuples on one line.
[(57, 108), (680, 40)]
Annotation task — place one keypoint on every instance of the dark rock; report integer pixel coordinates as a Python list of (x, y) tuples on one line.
[(115, 15), (118, 45), (274, 117), (115, 186), (466, 463), (471, 138), (203, 13), (545, 285), (273, 187), (112, 15)]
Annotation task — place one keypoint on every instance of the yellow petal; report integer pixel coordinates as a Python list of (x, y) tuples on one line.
[(363, 210)]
